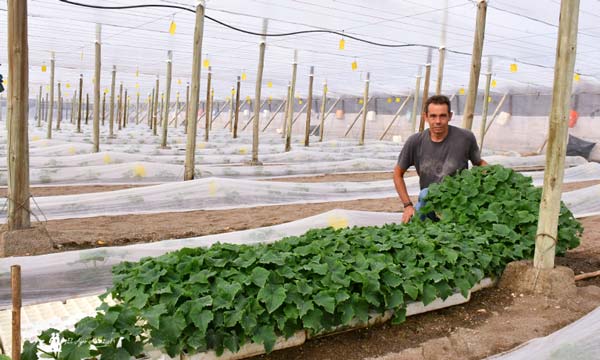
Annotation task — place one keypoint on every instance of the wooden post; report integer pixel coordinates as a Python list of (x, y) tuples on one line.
[(323, 105), (103, 108), (193, 111), (51, 103), (97, 75), (17, 117), (60, 109), (212, 103), (15, 286), (151, 109), (111, 121), (207, 109), (442, 52), (87, 108), (39, 107), (471, 99), (120, 106), (187, 107), (80, 103), (486, 95), (361, 141), (73, 104), (46, 108), (415, 108), (237, 108), (230, 122), (137, 108), (425, 89), (395, 117), (125, 109), (566, 49), (155, 109), (161, 109), (167, 99), (290, 115), (309, 100), (257, 93)]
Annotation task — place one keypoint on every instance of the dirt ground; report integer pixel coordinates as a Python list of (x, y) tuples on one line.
[(495, 319)]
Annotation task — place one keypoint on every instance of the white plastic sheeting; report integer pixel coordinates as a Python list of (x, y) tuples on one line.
[(224, 193), (577, 341)]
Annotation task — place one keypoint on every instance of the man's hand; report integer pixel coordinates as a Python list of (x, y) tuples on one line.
[(408, 213)]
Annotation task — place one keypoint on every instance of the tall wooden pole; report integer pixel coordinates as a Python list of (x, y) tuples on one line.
[(120, 106), (566, 49), (425, 89), (192, 119), (125, 109), (442, 52), (51, 103), (187, 107), (257, 93), (111, 116), (415, 108), (87, 108), (15, 285), (363, 129), (46, 108), (213, 117), (488, 81), (103, 108), (137, 108), (97, 74), (80, 103), (309, 101), (323, 106), (207, 110), (290, 115), (151, 109), (39, 108), (167, 99), (471, 99), (237, 108), (17, 117), (155, 110), (73, 104), (60, 107)]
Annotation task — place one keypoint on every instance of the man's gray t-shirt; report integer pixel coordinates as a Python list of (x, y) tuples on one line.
[(434, 160)]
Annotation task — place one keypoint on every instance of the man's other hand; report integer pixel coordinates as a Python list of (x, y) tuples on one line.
[(408, 213)]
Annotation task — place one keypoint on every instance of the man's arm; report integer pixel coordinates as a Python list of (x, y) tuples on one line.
[(400, 185)]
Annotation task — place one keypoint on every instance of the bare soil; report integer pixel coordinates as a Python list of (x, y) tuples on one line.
[(495, 319)]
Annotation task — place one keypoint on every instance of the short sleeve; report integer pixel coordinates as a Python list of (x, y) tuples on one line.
[(474, 154), (406, 158)]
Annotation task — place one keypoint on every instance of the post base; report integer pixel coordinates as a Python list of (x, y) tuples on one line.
[(32, 241)]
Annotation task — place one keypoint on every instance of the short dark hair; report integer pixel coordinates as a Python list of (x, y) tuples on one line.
[(439, 100)]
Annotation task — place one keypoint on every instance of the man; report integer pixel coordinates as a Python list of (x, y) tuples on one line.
[(437, 152)]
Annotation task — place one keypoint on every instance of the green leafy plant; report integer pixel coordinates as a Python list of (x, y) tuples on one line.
[(225, 296)]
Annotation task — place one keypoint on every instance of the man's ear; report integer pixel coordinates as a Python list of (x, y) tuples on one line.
[(450, 117)]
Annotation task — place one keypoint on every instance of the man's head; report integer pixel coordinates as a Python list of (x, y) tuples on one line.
[(438, 113)]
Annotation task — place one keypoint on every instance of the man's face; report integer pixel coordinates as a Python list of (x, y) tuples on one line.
[(438, 117)]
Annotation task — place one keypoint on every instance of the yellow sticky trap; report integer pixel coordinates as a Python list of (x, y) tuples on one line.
[(81, 56), (139, 171), (106, 90), (178, 81), (248, 100), (172, 27), (397, 99), (270, 84), (489, 99), (68, 85), (493, 84), (243, 151), (342, 44), (228, 98), (44, 68), (389, 100), (138, 94), (270, 99), (72, 150), (360, 101), (48, 87), (513, 68), (137, 86), (107, 159), (202, 145), (244, 76), (137, 72), (337, 222), (232, 92), (576, 77), (35, 138), (206, 63), (461, 91), (354, 65), (212, 188)]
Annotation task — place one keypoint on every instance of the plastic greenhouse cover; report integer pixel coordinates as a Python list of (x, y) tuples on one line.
[(224, 193), (577, 341)]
